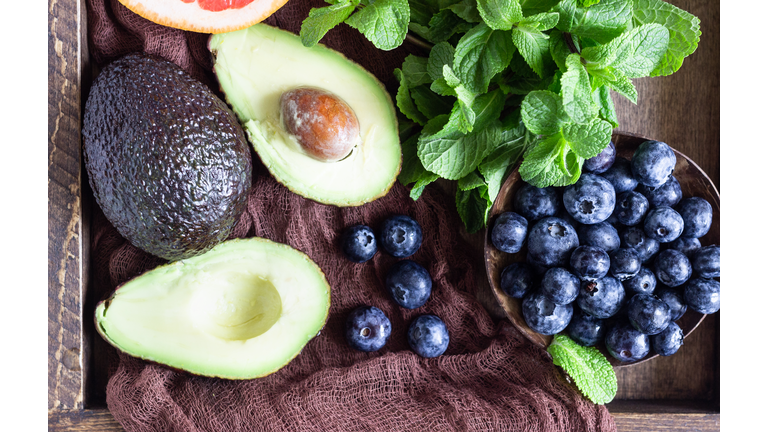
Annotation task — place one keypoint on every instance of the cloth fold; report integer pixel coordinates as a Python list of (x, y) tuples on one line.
[(490, 378)]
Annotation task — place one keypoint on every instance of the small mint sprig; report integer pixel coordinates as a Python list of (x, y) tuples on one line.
[(588, 368)]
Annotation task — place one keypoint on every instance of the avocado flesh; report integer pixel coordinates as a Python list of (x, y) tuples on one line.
[(242, 310), (255, 66)]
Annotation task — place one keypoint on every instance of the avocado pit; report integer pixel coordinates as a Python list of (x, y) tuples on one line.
[(321, 122)]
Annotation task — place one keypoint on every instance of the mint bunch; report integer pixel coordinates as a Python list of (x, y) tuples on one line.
[(588, 368), (507, 79)]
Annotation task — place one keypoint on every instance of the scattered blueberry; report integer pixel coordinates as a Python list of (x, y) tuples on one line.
[(645, 247), (674, 299), (551, 241), (668, 341), (400, 236), (590, 262), (367, 328), (600, 163), (586, 330), (517, 279), (620, 176), (358, 243), (653, 163), (668, 194), (428, 336), (687, 245), (630, 208), (626, 343), (602, 235), (601, 298), (590, 200), (644, 282), (672, 268), (509, 232), (663, 224), (559, 286), (702, 295), (648, 314), (535, 203), (409, 284), (624, 263), (545, 317), (706, 261), (697, 216)]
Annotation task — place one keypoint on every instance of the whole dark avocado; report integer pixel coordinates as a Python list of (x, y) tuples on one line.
[(167, 160)]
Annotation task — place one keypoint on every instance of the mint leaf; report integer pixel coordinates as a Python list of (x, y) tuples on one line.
[(640, 50), (603, 100), (542, 21), (462, 116), (452, 154), (540, 167), (542, 112), (588, 140), (494, 168), (466, 10), (405, 102), (440, 55), (383, 22), (600, 22), (588, 3), (470, 181), (415, 70), (533, 45), (577, 91), (591, 371), (487, 108), (473, 208), (480, 54), (623, 86), (445, 24), (559, 49), (684, 31), (531, 7), (413, 171), (321, 20), (429, 103), (500, 14), (422, 11)]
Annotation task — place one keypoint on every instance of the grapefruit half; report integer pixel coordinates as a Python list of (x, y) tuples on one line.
[(205, 16)]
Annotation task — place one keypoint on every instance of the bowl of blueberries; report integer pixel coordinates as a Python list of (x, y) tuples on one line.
[(627, 259)]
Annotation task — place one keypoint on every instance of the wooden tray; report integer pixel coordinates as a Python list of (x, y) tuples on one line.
[(681, 392)]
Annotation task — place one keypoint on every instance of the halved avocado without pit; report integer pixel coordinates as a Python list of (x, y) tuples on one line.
[(261, 67), (242, 310)]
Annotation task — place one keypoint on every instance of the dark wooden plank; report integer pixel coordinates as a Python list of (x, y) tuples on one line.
[(634, 422), (67, 257), (98, 420)]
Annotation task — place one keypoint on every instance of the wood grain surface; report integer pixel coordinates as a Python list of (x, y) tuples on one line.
[(682, 110)]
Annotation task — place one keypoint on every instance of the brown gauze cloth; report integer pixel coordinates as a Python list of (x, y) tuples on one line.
[(491, 378)]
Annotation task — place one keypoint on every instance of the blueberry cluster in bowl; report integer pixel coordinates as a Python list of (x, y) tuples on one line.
[(408, 283), (615, 258)]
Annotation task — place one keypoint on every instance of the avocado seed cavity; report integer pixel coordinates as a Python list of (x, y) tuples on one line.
[(323, 124)]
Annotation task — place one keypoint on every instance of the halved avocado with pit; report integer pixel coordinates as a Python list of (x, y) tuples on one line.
[(258, 65), (239, 311)]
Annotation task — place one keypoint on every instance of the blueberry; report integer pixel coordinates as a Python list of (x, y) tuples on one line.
[(663, 224), (551, 241), (604, 160), (706, 261), (367, 328), (590, 263), (702, 295), (564, 215), (601, 298), (509, 231), (400, 236), (409, 284), (645, 247), (545, 317), (674, 299), (620, 176), (358, 243), (672, 268), (624, 264), (517, 279), (687, 245), (644, 282), (626, 343), (535, 203), (668, 194), (668, 341), (697, 216), (602, 235), (428, 336), (586, 330), (538, 268), (630, 208), (648, 314), (590, 200), (653, 163), (559, 286)]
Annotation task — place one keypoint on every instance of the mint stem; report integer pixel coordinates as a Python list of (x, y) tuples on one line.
[(418, 42), (568, 38)]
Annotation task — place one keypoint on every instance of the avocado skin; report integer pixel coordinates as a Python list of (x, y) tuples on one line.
[(167, 160)]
